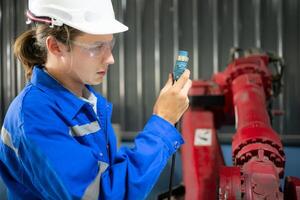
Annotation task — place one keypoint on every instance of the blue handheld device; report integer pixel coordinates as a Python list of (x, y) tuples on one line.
[(180, 65)]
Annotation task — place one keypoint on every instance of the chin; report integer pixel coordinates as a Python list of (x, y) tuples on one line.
[(94, 82)]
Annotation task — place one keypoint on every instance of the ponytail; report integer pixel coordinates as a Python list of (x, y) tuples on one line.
[(30, 47), (28, 52)]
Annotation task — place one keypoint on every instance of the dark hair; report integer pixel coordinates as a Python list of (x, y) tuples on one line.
[(30, 47)]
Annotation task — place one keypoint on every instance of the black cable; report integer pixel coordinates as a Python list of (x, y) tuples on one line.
[(179, 68), (173, 162), (172, 174)]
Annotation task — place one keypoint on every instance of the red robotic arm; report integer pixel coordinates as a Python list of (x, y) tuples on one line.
[(237, 96)]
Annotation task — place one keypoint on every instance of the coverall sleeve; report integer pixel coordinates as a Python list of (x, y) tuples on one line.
[(134, 171)]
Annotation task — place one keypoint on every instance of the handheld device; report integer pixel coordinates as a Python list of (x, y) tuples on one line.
[(180, 65)]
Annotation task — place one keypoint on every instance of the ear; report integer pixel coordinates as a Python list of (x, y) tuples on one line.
[(54, 47)]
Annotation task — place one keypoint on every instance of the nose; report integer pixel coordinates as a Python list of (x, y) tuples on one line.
[(109, 58)]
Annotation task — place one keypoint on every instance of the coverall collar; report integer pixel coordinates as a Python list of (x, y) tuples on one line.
[(65, 99)]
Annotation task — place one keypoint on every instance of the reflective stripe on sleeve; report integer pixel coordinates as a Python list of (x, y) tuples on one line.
[(92, 191), (77, 131), (6, 139)]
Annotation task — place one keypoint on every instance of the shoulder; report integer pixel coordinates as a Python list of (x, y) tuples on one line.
[(30, 106), (31, 102), (37, 102), (30, 97)]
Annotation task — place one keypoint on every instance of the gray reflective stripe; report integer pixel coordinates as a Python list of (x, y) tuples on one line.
[(6, 139), (84, 129), (93, 190)]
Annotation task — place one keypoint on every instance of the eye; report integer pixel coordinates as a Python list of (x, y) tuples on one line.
[(101, 46), (108, 45), (97, 48)]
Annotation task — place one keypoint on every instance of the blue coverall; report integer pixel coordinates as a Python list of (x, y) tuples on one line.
[(54, 146)]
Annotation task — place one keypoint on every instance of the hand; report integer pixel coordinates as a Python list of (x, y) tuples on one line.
[(173, 100)]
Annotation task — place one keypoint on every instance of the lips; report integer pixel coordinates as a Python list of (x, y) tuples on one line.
[(101, 73)]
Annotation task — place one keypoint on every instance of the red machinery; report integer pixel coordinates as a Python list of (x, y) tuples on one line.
[(239, 96)]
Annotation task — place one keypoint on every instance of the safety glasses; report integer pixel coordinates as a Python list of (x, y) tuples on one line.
[(96, 49)]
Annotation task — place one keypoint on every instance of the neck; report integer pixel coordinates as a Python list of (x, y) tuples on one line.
[(67, 81)]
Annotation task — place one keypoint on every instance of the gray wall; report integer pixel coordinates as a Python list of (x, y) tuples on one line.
[(158, 28)]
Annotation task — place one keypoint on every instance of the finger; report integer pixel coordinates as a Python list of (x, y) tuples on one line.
[(187, 105), (186, 87), (182, 80), (168, 84)]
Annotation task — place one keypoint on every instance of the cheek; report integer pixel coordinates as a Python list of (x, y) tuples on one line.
[(84, 67), (85, 59), (78, 61)]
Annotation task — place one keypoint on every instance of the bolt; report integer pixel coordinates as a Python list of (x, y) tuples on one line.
[(243, 158), (276, 146), (281, 151), (277, 161), (269, 142), (272, 156), (253, 140), (248, 155)]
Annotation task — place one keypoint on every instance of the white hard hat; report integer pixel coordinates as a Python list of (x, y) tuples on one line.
[(89, 16)]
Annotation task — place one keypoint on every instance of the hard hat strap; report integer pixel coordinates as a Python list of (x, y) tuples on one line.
[(51, 21)]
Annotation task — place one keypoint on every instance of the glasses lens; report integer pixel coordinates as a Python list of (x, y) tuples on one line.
[(97, 49)]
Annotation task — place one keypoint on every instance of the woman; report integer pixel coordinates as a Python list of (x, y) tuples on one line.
[(57, 141)]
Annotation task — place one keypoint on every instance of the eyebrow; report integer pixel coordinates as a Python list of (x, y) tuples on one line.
[(100, 42)]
